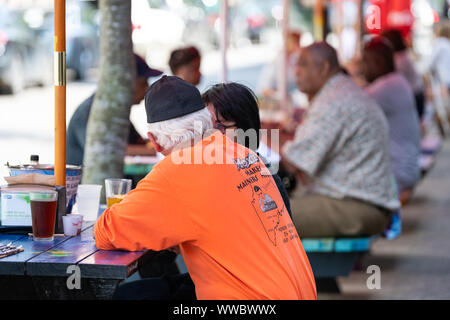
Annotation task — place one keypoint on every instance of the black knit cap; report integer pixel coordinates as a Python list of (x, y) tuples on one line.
[(171, 97)]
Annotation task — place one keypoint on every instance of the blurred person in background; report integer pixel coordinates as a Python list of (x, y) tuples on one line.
[(76, 131), (396, 98), (268, 84), (340, 152), (185, 64), (405, 66), (439, 62)]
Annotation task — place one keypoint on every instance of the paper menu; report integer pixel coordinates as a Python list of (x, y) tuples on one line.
[(15, 209)]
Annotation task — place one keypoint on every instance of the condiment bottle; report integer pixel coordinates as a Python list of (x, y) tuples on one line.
[(34, 159)]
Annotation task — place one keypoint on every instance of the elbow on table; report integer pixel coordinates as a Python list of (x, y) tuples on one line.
[(101, 242), (103, 245)]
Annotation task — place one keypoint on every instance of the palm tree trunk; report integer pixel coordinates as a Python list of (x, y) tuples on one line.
[(108, 125)]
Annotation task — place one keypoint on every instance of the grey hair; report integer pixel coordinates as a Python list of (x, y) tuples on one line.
[(170, 133)]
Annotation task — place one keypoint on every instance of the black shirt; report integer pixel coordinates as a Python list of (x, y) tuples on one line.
[(76, 133)]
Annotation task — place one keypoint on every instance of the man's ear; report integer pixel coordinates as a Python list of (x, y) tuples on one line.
[(153, 140), (325, 68)]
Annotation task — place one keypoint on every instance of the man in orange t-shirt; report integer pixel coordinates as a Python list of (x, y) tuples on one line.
[(212, 199)]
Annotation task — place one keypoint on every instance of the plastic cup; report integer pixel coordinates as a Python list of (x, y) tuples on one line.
[(43, 214), (70, 225), (76, 219), (88, 201), (116, 189)]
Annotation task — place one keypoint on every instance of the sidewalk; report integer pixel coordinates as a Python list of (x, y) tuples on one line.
[(417, 264)]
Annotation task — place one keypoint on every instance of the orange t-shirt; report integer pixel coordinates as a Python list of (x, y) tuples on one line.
[(229, 221)]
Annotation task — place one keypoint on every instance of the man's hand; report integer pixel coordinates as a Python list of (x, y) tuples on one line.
[(301, 176)]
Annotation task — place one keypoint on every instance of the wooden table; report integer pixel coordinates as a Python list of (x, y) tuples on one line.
[(41, 270)]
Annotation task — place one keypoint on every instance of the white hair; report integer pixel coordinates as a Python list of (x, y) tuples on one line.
[(170, 133)]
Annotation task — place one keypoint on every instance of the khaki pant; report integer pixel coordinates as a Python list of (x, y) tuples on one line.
[(317, 216)]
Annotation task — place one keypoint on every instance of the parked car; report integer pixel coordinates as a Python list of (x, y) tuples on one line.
[(25, 53), (82, 38), (83, 52)]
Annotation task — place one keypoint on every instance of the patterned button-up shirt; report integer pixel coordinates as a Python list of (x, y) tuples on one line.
[(343, 145)]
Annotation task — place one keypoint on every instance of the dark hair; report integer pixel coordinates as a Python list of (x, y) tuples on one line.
[(322, 51), (383, 48), (235, 102), (395, 38), (182, 56)]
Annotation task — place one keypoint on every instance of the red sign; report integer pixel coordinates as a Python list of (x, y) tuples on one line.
[(388, 14)]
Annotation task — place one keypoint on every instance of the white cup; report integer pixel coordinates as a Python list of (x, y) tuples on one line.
[(70, 225), (88, 200), (78, 220)]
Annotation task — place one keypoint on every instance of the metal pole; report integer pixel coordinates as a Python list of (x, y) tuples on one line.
[(318, 21), (283, 91), (359, 29), (224, 38), (60, 91), (340, 27)]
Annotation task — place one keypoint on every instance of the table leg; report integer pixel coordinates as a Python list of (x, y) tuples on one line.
[(327, 285), (16, 287), (55, 288)]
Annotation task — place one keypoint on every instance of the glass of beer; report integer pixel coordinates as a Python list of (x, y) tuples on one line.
[(43, 214), (116, 189)]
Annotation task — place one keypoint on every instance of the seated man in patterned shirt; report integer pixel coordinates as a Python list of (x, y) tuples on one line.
[(341, 150)]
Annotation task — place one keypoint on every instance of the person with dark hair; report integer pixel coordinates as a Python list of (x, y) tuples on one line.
[(405, 66), (76, 131), (185, 64), (341, 152), (395, 38), (395, 97), (235, 106)]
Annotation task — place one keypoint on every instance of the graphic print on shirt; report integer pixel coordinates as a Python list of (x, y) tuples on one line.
[(267, 211), (262, 187), (265, 201), (247, 162)]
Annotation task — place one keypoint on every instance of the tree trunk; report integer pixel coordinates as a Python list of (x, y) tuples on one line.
[(108, 125)]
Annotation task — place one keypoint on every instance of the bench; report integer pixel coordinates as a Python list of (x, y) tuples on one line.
[(331, 258)]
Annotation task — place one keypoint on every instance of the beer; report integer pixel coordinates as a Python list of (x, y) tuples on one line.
[(114, 199), (116, 189), (43, 215)]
